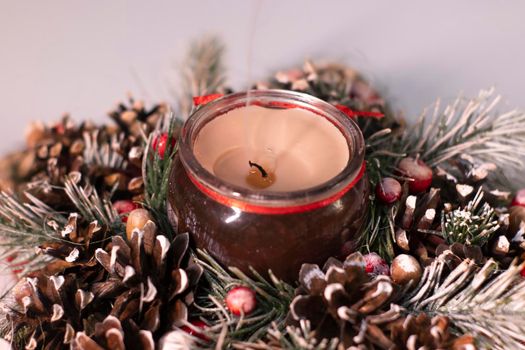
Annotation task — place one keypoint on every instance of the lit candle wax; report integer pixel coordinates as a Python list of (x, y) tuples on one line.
[(272, 149)]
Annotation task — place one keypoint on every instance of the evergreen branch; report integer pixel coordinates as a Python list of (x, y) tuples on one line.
[(474, 224), (88, 202), (468, 127), (379, 232), (24, 226), (156, 171), (203, 72), (273, 299), (292, 338), (485, 302), (378, 235)]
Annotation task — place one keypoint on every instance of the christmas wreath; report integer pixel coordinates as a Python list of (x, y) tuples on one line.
[(85, 226)]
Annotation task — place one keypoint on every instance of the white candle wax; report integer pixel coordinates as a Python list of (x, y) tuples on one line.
[(300, 148)]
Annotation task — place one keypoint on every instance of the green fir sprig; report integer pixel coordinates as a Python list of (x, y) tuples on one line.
[(24, 226), (273, 299), (291, 338), (473, 224), (471, 127), (203, 72), (156, 169), (482, 301)]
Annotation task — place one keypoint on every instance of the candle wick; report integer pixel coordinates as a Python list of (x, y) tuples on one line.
[(260, 168)]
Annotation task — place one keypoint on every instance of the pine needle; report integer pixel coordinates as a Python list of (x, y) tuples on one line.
[(203, 73), (472, 127), (24, 226), (485, 302), (88, 202), (474, 224), (273, 299), (156, 171)]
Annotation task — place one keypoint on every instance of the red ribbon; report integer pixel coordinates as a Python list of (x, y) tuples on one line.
[(352, 114), (202, 100), (259, 209)]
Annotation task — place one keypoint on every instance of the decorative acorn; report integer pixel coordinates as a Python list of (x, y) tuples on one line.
[(137, 219), (405, 269)]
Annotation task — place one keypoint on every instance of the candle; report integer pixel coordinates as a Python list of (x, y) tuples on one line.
[(270, 181), (293, 149)]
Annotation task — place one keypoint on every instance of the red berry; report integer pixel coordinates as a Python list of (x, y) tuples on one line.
[(192, 331), (241, 300), (519, 199), (161, 142), (59, 128), (388, 190), (375, 265), (522, 272), (418, 171), (124, 207)]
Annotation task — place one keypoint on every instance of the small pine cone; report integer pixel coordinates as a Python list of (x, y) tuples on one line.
[(76, 235), (460, 179), (133, 118), (423, 332), (341, 297), (418, 230), (331, 82), (417, 224), (111, 334), (50, 309)]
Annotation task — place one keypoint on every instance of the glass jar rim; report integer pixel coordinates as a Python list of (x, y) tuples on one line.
[(272, 99)]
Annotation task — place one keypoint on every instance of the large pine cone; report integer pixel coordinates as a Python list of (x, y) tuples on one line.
[(338, 300), (343, 302), (129, 297)]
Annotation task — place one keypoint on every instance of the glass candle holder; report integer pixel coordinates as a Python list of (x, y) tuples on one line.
[(268, 229)]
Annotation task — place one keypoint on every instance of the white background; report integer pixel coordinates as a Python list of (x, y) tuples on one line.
[(82, 56)]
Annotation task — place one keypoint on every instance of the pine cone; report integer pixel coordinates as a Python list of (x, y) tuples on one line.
[(420, 231), (338, 300), (342, 301), (422, 332), (416, 224), (75, 246), (460, 178), (331, 82), (129, 297), (109, 155)]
